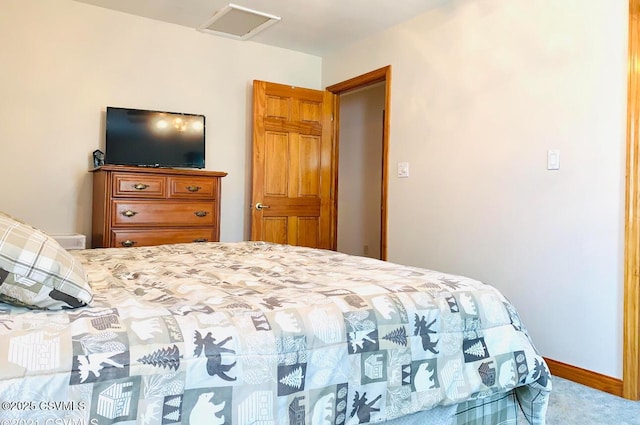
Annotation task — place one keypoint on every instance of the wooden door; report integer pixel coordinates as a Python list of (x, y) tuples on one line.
[(291, 199)]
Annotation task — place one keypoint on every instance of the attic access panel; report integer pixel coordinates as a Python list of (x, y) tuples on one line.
[(238, 22)]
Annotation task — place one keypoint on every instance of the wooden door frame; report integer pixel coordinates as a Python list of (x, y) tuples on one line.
[(376, 76), (631, 326)]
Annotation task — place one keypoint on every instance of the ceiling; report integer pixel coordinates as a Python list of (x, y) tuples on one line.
[(313, 27)]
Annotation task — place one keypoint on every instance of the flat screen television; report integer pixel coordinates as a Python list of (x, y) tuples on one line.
[(154, 139)]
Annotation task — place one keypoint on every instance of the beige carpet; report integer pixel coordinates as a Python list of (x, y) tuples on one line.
[(575, 404)]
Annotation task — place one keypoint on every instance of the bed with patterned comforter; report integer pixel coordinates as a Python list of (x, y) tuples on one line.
[(257, 333)]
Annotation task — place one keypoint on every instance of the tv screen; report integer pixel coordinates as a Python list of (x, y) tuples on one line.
[(154, 138)]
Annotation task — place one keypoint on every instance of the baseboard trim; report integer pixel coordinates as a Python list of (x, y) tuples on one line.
[(585, 377)]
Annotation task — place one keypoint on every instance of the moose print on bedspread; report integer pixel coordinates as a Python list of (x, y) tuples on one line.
[(213, 352), (248, 333)]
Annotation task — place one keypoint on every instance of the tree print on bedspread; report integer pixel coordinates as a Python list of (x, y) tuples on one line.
[(168, 357), (474, 350), (397, 336), (172, 410), (291, 378)]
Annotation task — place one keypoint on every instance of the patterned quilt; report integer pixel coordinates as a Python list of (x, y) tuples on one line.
[(256, 333)]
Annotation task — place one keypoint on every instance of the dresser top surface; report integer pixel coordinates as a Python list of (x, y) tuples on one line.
[(154, 170)]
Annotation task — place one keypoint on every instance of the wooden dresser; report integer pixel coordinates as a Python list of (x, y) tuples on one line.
[(137, 206)]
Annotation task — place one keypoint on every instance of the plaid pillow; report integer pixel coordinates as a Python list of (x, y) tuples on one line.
[(36, 271)]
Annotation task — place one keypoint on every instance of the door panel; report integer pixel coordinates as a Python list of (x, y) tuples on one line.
[(310, 111), (292, 165), (275, 229), (276, 176), (308, 229), (278, 107), (308, 173)]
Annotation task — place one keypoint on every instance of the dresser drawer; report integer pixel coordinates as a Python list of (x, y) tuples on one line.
[(159, 236), (192, 188), (132, 186), (167, 213)]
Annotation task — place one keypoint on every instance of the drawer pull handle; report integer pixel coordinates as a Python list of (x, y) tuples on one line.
[(129, 213), (193, 188), (201, 240), (128, 243), (140, 186), (201, 213)]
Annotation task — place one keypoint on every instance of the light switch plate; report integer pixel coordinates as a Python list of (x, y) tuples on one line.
[(553, 159), (403, 169)]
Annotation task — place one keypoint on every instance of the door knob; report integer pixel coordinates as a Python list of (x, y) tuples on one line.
[(260, 206)]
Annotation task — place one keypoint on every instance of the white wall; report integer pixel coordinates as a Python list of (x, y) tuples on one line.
[(481, 89), (360, 171), (63, 62)]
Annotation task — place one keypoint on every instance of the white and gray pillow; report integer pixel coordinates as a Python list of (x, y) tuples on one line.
[(36, 272)]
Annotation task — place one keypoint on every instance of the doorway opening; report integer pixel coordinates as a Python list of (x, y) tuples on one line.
[(360, 171), (361, 163)]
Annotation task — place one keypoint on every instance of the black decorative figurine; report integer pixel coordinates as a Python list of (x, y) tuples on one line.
[(98, 158)]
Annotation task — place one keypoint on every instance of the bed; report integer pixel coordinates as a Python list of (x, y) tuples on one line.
[(259, 333)]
